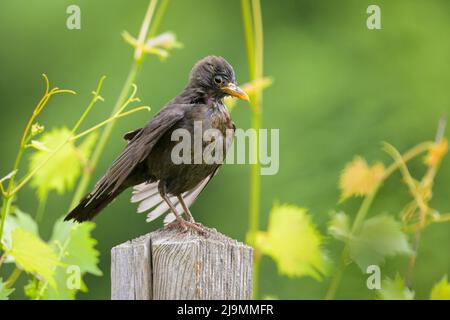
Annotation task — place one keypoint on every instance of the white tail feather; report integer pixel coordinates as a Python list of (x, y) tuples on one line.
[(148, 196)]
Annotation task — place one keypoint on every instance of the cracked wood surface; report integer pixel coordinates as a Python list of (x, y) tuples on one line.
[(172, 264)]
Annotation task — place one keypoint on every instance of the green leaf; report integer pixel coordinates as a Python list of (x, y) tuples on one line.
[(4, 292), (379, 237), (395, 290), (31, 289), (18, 219), (441, 290), (59, 172), (294, 242), (33, 255), (339, 226), (78, 248)]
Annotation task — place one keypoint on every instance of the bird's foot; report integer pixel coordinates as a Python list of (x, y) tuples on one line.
[(186, 225), (196, 226)]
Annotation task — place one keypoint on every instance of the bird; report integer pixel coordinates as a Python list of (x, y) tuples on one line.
[(146, 162)]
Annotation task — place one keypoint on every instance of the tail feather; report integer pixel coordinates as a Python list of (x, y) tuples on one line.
[(90, 206)]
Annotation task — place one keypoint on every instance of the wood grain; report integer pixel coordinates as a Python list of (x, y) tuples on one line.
[(174, 264)]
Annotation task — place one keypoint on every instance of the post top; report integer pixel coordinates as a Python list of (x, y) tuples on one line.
[(173, 234)]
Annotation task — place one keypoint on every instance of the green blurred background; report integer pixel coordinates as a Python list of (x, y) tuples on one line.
[(340, 89)]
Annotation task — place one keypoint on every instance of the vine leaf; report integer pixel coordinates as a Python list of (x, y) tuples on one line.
[(33, 255), (359, 179), (78, 250), (294, 242), (4, 292), (339, 226), (62, 170), (379, 237), (18, 219), (441, 290), (395, 290)]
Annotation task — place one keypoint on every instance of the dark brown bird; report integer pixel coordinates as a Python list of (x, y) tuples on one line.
[(146, 162)]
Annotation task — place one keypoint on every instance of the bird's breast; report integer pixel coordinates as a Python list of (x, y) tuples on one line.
[(220, 118)]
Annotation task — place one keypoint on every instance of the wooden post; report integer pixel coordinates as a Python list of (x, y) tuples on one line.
[(172, 264)]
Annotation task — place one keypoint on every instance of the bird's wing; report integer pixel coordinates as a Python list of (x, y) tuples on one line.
[(131, 134), (139, 147), (148, 197)]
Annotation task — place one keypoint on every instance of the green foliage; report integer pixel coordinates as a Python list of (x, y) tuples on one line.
[(291, 228), (61, 171), (4, 292), (79, 246), (76, 247), (57, 161), (32, 288), (380, 236), (33, 255), (18, 219), (441, 290), (395, 290)]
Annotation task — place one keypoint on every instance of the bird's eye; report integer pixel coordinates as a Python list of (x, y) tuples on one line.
[(218, 79)]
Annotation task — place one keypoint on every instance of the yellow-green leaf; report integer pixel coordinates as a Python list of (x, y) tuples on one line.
[(4, 292), (358, 178), (294, 242), (18, 219), (79, 251), (33, 255), (60, 172), (395, 290), (79, 245), (441, 290)]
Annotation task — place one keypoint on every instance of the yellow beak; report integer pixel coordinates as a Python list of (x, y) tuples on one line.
[(233, 90)]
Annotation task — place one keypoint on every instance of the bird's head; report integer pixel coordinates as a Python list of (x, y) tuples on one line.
[(214, 77)]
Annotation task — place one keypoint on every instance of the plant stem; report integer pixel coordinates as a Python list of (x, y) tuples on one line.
[(100, 147), (13, 277), (41, 208), (144, 30), (2, 258), (248, 31), (425, 184), (253, 30), (9, 196), (7, 199), (363, 211), (131, 78)]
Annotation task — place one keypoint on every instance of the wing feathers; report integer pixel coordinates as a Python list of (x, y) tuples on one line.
[(139, 148)]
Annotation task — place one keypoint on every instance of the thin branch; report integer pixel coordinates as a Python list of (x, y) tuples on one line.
[(103, 123), (91, 104), (144, 30)]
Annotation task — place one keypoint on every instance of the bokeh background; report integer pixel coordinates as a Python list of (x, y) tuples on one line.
[(340, 89)]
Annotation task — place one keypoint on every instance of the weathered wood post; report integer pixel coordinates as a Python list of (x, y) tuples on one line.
[(172, 264)]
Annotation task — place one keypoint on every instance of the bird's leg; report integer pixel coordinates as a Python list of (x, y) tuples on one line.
[(185, 224), (186, 209)]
